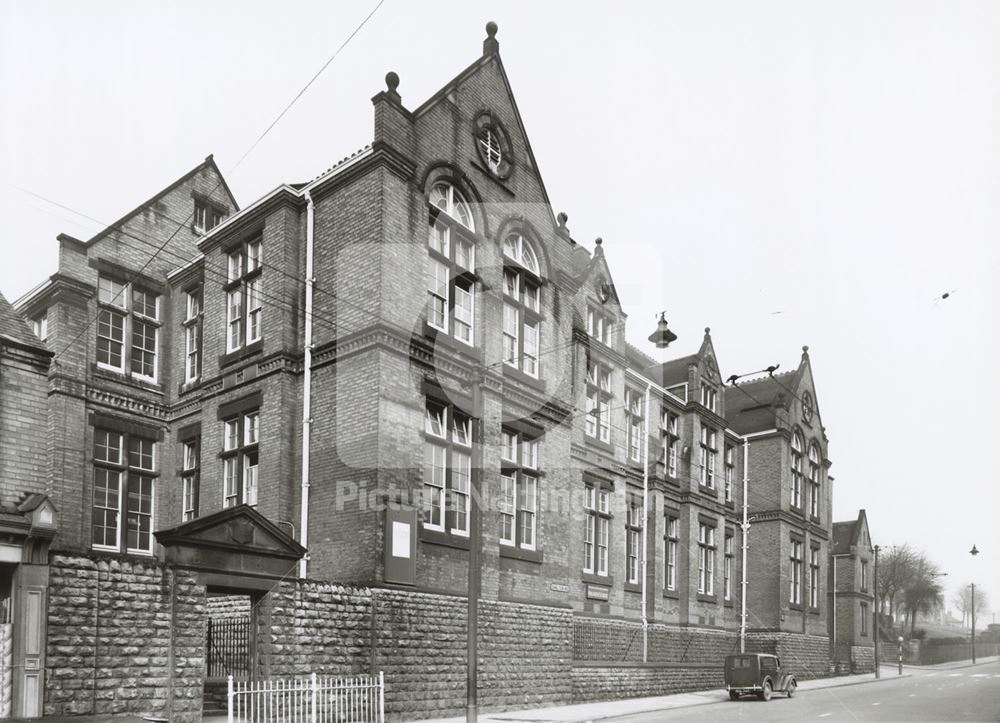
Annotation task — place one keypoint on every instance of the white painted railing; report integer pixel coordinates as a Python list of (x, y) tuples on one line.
[(316, 699)]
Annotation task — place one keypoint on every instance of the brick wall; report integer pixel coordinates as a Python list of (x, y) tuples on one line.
[(124, 637), (23, 423)]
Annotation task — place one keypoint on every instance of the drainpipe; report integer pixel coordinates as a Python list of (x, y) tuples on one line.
[(307, 385), (645, 523), (745, 527)]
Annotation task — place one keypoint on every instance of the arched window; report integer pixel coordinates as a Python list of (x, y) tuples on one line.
[(522, 323), (452, 263), (797, 446), (814, 479)]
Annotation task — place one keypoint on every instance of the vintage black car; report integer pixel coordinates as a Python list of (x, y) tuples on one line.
[(758, 674)]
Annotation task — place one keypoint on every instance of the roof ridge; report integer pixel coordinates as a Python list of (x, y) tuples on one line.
[(342, 161)]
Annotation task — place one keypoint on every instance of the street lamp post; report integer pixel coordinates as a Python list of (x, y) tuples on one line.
[(878, 617), (973, 552)]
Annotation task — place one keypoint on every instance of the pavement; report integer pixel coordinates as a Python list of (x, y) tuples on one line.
[(586, 712)]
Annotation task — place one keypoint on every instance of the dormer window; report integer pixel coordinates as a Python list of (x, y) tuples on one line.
[(598, 326), (708, 396), (206, 216)]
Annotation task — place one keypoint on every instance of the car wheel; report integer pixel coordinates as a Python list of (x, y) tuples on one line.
[(733, 695), (791, 688), (765, 693)]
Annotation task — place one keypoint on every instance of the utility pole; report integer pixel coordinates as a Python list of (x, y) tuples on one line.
[(475, 542), (878, 618), (745, 527), (973, 586)]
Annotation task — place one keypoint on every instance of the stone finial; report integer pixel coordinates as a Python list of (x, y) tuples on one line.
[(708, 330), (598, 246), (561, 219), (391, 84), (805, 349), (490, 45)]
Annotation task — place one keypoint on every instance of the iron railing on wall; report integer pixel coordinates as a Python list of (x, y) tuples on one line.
[(315, 699)]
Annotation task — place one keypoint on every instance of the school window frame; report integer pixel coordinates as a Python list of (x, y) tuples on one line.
[(599, 325), (521, 323), (709, 454), (451, 265), (633, 537), (634, 422), (519, 482), (597, 524), (241, 459), (672, 542), (447, 473), (671, 441), (599, 396), (796, 489), (128, 329), (706, 558), (206, 216), (864, 619), (190, 478), (814, 578), (815, 480), (709, 396), (244, 293), (795, 572), (124, 492), (192, 326)]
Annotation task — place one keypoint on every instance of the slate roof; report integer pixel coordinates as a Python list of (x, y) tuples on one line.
[(843, 536), (749, 408), (14, 327)]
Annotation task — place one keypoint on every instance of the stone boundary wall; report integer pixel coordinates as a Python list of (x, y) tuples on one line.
[(125, 637), (610, 641), (863, 659), (805, 656), (227, 607), (599, 682), (419, 641)]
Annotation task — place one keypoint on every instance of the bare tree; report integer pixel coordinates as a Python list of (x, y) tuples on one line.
[(963, 602), (895, 572)]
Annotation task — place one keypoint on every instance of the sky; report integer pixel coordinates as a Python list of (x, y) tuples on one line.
[(786, 173)]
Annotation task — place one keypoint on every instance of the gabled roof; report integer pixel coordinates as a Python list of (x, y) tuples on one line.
[(750, 406), (491, 53), (15, 328), (846, 534), (208, 162), (675, 371)]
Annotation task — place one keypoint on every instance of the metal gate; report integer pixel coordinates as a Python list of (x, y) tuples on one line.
[(228, 648)]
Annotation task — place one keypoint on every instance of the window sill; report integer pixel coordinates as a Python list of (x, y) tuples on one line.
[(519, 553), (813, 611), (633, 587), (796, 607), (593, 579), (518, 375), (126, 378), (702, 597), (439, 336), (240, 354), (190, 386), (728, 603), (671, 595), (444, 539), (598, 444)]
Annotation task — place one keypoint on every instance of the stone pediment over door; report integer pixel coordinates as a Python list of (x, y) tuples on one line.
[(237, 547)]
